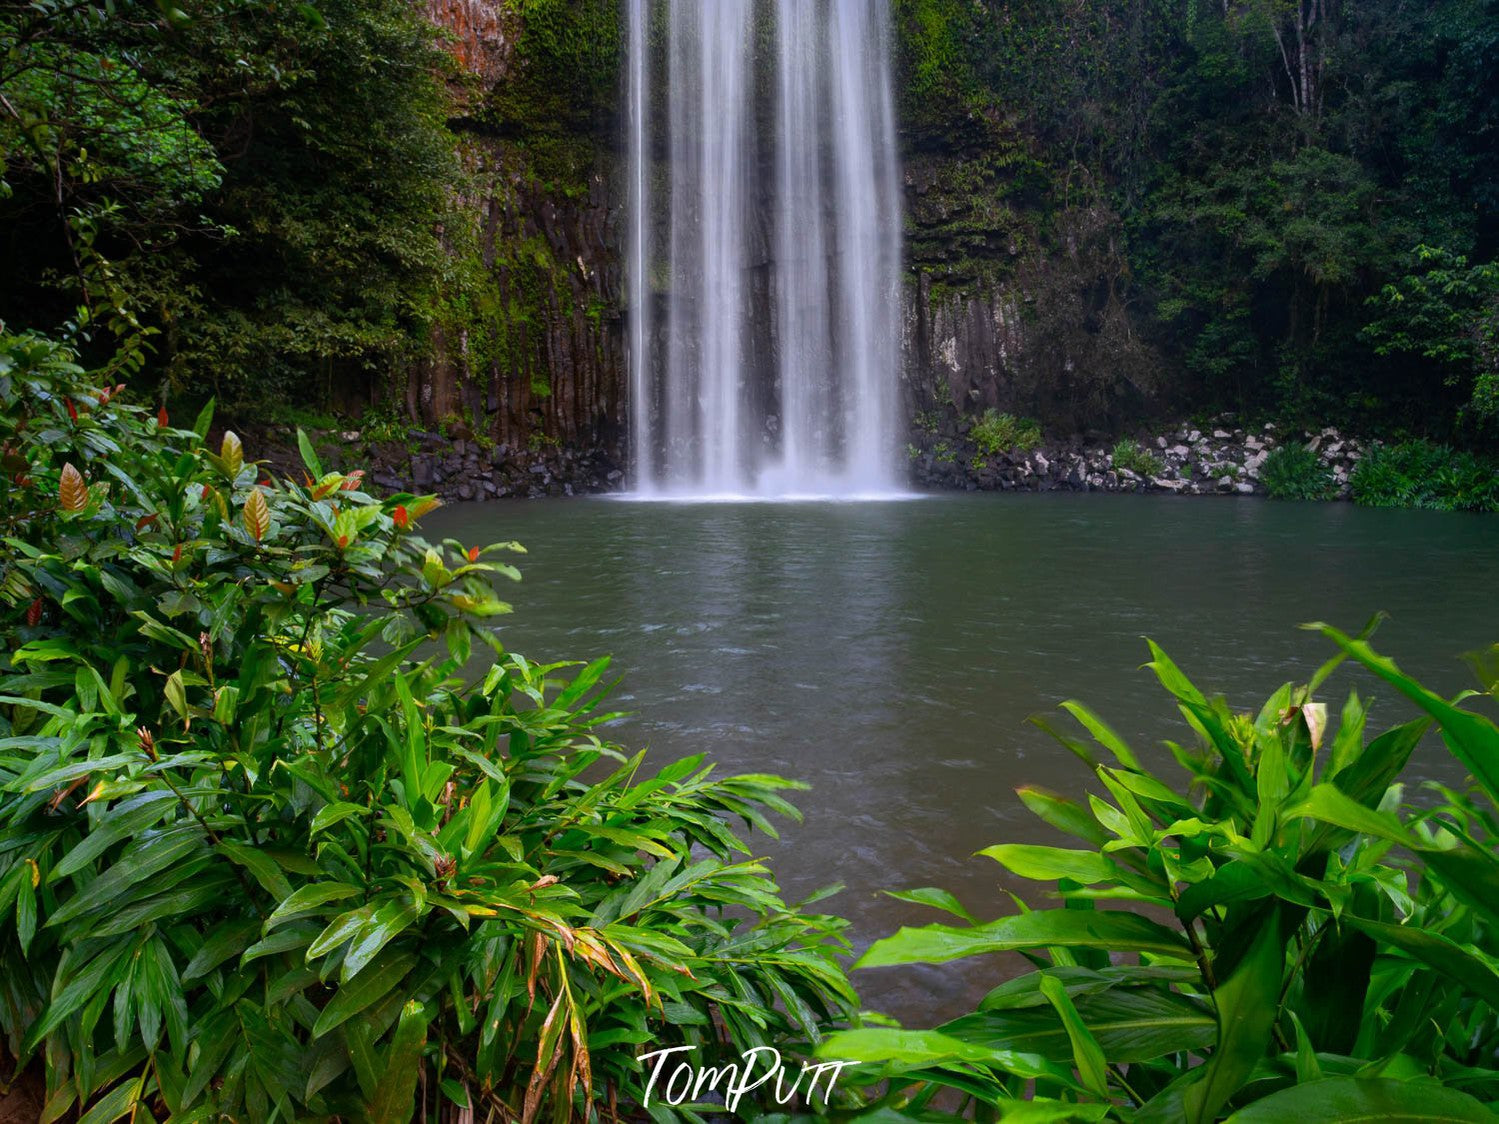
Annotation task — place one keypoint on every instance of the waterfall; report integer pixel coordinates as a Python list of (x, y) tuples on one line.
[(764, 242), (637, 97)]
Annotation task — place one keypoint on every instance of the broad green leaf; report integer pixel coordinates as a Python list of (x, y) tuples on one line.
[(119, 1102), (225, 941), (936, 898), (1370, 774), (1352, 1100), (339, 930), (396, 1092), (384, 925), (1247, 1003), (309, 897), (124, 821), (919, 1049), (309, 455), (1042, 1110), (1065, 815), (1103, 734), (1473, 738), (146, 857), (1171, 677), (1130, 1024), (1087, 1057), (261, 867), (204, 419), (370, 987), (1110, 930), (1047, 864), (1436, 950), (95, 979), (331, 814), (1329, 804)]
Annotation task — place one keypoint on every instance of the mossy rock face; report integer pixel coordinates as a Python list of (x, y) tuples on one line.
[(563, 78), (967, 222), (527, 336)]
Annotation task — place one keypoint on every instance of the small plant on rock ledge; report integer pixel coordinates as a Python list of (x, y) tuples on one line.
[(1128, 455), (998, 433), (928, 420)]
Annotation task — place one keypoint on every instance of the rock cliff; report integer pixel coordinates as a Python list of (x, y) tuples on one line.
[(1000, 310)]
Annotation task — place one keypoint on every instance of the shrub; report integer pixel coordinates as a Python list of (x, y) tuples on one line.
[(266, 851), (1285, 943), (997, 433), (1424, 474), (1294, 472), (1130, 456)]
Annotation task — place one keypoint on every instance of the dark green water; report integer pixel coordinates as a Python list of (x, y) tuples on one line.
[(889, 653)]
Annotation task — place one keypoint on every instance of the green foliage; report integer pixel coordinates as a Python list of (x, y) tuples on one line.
[(260, 186), (1131, 457), (267, 851), (1445, 311), (999, 433), (92, 118), (1283, 939), (1294, 472), (1425, 474), (565, 80), (1260, 171)]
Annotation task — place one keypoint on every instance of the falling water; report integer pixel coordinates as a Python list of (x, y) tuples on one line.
[(764, 247), (638, 99)]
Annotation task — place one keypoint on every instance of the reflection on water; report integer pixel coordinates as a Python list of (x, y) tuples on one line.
[(889, 653)]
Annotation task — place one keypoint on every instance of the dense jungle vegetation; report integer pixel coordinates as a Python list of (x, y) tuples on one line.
[(1287, 208), (1294, 202), (245, 194)]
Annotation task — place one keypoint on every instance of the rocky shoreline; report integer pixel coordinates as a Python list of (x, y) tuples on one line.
[(454, 468), (1217, 459)]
